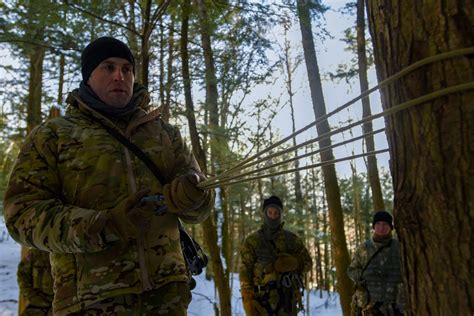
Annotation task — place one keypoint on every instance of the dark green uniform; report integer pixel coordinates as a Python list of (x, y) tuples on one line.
[(379, 287), (36, 282), (278, 293)]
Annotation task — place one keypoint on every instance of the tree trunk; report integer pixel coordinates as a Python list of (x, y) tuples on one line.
[(226, 232), (356, 209), (431, 148), (62, 64), (216, 145), (35, 88), (336, 219), (169, 71), (161, 66), (289, 70), (327, 268), (196, 144), (145, 48), (372, 170)]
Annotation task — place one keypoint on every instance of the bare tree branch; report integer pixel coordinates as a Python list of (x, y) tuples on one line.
[(71, 5)]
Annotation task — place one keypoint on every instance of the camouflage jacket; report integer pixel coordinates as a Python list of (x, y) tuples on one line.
[(257, 256), (68, 172), (34, 275), (381, 280)]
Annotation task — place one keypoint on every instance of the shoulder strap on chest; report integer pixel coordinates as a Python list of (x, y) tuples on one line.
[(368, 244)]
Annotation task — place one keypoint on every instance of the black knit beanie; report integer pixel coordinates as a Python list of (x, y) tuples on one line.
[(383, 216), (272, 200), (101, 49)]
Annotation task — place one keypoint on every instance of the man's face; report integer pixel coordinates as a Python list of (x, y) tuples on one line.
[(382, 228), (112, 80), (273, 213)]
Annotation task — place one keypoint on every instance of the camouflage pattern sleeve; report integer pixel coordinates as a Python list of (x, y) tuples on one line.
[(304, 256), (186, 163), (35, 213), (247, 261), (357, 264)]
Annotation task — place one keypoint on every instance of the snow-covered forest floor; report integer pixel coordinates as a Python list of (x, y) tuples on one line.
[(204, 295)]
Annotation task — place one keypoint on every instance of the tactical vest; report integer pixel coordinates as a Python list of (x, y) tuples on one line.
[(267, 252), (383, 274)]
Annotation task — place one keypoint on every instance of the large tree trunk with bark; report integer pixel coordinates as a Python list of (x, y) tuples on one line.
[(431, 148), (336, 218), (372, 170)]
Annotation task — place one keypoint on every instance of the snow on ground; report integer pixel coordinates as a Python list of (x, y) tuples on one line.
[(204, 295), (9, 259)]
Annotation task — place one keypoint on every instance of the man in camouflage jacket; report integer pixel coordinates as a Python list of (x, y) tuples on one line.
[(272, 263), (375, 270), (36, 282), (77, 192)]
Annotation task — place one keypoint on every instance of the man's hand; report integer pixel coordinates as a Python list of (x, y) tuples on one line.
[(247, 298), (125, 219), (251, 306), (287, 263), (183, 194)]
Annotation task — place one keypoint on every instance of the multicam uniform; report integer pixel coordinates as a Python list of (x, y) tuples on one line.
[(69, 171), (379, 287), (35, 282), (278, 294)]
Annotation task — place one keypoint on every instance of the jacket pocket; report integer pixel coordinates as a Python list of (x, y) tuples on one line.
[(101, 272)]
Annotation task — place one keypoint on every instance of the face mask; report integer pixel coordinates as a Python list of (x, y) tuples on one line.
[(269, 222)]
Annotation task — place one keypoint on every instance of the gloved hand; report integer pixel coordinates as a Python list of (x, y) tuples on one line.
[(125, 219), (361, 285), (251, 306), (247, 298), (183, 194), (40, 300), (287, 263)]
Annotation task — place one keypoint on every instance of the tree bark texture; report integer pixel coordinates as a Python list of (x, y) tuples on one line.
[(216, 145), (336, 218), (145, 39), (372, 170), (194, 135), (431, 149), (169, 72), (62, 64), (35, 88)]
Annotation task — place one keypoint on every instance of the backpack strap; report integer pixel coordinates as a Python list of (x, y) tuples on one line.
[(367, 244), (195, 258), (133, 148)]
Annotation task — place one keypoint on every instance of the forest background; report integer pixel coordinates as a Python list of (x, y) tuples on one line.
[(236, 77)]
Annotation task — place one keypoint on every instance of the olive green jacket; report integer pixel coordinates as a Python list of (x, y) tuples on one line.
[(69, 171)]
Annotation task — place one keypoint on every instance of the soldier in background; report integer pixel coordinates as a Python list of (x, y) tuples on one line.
[(375, 271), (36, 283), (77, 191), (273, 261)]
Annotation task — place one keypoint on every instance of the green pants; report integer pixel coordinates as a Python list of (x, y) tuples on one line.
[(171, 299)]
